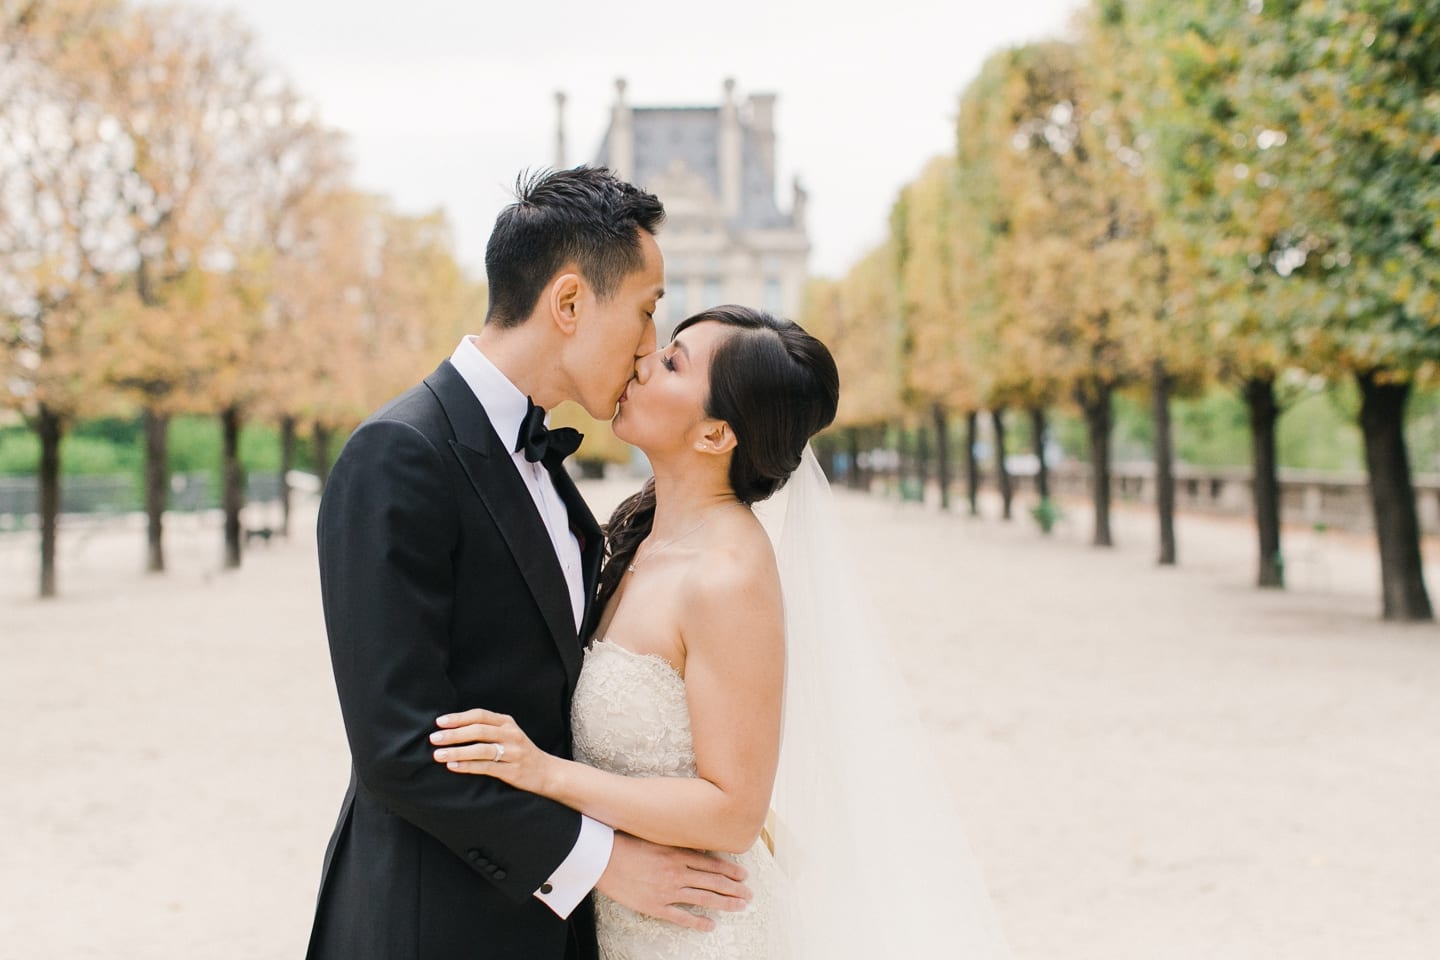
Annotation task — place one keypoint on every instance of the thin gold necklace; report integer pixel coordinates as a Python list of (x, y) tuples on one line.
[(635, 561)]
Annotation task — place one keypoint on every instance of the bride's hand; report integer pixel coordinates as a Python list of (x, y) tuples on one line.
[(492, 745)]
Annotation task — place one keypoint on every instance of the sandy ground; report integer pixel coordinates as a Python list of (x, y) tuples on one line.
[(1152, 764)]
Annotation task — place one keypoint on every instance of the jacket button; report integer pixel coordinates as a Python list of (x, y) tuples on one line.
[(474, 855), (499, 874), (546, 888)]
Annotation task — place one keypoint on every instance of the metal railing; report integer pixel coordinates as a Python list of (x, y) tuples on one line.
[(97, 496)]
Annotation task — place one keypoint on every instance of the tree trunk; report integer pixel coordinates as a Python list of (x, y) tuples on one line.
[(822, 446), (1002, 472), (942, 453), (1259, 393), (903, 459), (922, 460), (157, 486), (287, 463), (865, 473), (1037, 433), (233, 496), (51, 428), (1095, 399), (321, 443), (972, 466), (1160, 384), (1382, 420)]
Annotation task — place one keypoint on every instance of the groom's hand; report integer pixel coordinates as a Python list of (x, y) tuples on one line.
[(655, 880)]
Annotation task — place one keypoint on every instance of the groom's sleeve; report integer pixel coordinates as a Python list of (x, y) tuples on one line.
[(388, 527), (573, 880)]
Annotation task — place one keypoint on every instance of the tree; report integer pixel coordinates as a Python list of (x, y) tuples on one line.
[(295, 161), (417, 299), (936, 354), (1225, 212), (315, 342), (1004, 372), (1116, 62), (1072, 279), (857, 317), (1357, 84), (1299, 158), (179, 82), (63, 235)]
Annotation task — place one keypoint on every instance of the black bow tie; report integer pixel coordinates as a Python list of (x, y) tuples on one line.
[(539, 441)]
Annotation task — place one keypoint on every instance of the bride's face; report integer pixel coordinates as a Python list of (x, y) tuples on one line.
[(663, 408)]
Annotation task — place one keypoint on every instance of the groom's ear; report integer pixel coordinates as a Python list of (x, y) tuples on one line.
[(717, 438), (564, 296)]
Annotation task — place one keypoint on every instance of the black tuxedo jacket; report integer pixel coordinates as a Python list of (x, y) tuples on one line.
[(442, 592)]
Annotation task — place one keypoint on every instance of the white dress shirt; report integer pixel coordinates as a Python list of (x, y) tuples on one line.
[(506, 406)]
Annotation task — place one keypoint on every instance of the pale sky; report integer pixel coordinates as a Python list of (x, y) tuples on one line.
[(445, 101)]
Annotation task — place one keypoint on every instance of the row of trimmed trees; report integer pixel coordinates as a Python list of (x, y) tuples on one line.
[(178, 234), (1181, 193)]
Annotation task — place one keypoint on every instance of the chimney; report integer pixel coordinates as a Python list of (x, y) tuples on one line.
[(622, 135), (730, 162), (560, 130), (762, 128)]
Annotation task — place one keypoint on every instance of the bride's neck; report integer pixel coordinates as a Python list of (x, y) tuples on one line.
[(686, 497)]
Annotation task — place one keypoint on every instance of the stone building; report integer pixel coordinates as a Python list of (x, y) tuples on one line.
[(725, 240)]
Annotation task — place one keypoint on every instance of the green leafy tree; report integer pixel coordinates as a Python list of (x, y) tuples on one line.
[(1300, 143), (1228, 211), (1361, 81)]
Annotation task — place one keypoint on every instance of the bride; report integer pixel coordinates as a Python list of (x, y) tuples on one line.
[(677, 718)]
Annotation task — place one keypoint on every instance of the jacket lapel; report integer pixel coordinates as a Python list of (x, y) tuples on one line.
[(500, 488)]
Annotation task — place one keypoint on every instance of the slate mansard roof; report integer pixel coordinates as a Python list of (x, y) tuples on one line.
[(691, 135)]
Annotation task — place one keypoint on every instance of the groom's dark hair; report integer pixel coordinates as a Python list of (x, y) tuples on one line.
[(586, 216)]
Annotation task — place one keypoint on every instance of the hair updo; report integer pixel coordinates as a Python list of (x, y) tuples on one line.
[(776, 386)]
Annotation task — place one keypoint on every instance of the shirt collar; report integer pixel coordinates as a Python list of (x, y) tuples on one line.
[(504, 404)]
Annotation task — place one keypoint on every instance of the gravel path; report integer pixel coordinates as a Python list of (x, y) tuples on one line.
[(1151, 763)]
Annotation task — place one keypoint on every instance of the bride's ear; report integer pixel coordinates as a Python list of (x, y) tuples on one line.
[(718, 438)]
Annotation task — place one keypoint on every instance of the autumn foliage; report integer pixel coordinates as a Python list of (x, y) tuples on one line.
[(178, 234)]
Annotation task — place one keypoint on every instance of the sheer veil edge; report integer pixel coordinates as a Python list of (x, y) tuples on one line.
[(864, 825)]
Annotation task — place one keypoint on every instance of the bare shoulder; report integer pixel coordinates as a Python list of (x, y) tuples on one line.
[(738, 561), (738, 556)]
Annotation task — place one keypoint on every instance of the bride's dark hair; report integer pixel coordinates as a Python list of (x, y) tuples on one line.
[(776, 386)]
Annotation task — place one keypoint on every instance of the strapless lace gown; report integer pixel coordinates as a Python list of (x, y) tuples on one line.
[(630, 717)]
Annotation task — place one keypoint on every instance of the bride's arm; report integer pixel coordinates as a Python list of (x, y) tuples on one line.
[(733, 631)]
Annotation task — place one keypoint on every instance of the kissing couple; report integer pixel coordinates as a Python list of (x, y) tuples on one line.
[(566, 741)]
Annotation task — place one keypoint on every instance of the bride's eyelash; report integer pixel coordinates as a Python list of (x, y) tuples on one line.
[(669, 363)]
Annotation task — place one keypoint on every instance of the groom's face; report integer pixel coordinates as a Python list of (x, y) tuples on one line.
[(617, 330)]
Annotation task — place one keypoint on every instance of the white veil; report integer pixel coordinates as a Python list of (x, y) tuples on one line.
[(864, 830)]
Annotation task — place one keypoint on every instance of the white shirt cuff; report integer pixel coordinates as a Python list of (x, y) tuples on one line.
[(573, 880)]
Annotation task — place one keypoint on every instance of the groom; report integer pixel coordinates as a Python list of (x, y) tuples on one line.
[(457, 563)]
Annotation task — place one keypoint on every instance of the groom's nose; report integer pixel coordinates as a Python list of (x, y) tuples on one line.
[(643, 366)]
